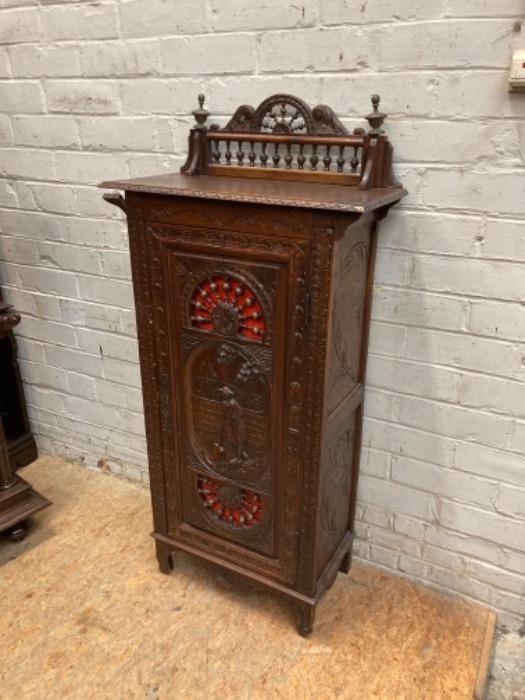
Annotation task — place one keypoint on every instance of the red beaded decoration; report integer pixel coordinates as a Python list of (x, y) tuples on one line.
[(231, 505), (228, 306)]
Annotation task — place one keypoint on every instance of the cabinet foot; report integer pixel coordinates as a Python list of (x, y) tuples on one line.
[(305, 618), (164, 557), (19, 531), (346, 563)]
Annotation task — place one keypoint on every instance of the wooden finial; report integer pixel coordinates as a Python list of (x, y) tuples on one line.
[(375, 118), (8, 319), (200, 114)]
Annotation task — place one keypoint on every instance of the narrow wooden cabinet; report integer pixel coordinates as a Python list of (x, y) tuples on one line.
[(252, 272)]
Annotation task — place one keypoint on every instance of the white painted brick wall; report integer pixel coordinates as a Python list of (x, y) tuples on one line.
[(92, 90)]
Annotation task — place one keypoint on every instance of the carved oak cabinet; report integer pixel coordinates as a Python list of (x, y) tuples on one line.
[(252, 272)]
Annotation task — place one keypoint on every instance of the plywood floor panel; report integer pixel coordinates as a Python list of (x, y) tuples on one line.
[(86, 614)]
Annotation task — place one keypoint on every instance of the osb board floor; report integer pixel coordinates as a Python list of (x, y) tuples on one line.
[(86, 614)]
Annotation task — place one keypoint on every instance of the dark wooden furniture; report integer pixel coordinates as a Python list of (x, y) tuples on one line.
[(252, 273), (18, 500), (21, 445)]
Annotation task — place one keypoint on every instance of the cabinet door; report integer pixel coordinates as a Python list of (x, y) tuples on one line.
[(232, 346)]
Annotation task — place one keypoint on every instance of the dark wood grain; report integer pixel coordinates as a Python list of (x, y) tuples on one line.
[(257, 191), (18, 500), (253, 304), (21, 446)]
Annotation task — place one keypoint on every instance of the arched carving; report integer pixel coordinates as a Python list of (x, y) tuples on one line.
[(285, 114)]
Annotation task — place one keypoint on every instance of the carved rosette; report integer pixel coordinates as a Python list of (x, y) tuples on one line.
[(228, 306)]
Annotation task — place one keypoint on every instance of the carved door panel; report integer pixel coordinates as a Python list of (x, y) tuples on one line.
[(226, 362), (234, 309)]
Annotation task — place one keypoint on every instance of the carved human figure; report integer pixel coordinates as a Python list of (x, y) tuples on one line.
[(231, 443)]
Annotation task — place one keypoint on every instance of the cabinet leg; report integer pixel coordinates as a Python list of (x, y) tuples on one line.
[(19, 531), (346, 563), (164, 557), (305, 618)]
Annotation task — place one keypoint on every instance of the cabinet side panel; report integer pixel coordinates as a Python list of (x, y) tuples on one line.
[(148, 360), (343, 365), (343, 389), (313, 379), (336, 478)]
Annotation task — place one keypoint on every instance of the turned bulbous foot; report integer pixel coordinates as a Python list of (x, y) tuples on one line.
[(305, 619), (18, 532)]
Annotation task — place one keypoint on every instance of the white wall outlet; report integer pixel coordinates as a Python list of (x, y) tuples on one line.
[(517, 71)]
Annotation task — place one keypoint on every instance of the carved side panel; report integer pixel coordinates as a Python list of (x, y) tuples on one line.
[(325, 507), (335, 482), (315, 342), (351, 257), (343, 390), (140, 262)]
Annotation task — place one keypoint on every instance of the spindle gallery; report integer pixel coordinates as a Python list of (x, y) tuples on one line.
[(252, 272)]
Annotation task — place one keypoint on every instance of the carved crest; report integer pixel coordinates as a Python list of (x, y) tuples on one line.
[(285, 114)]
